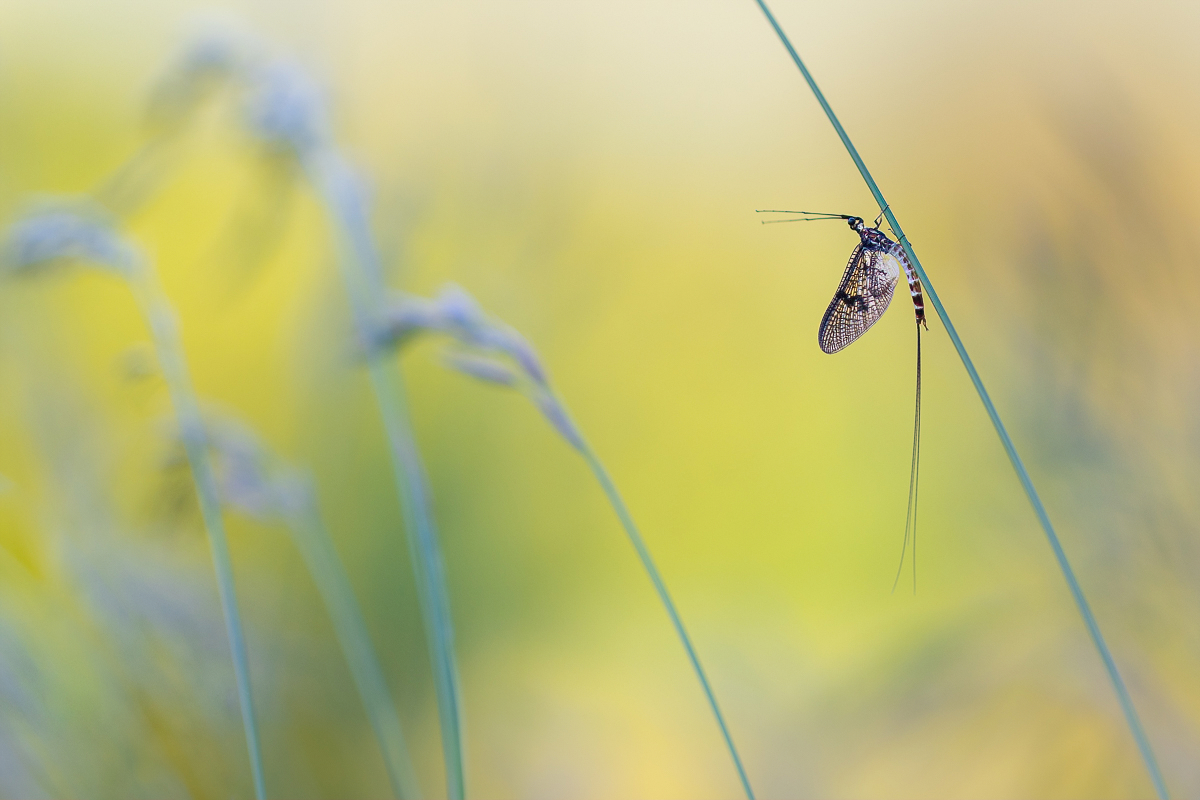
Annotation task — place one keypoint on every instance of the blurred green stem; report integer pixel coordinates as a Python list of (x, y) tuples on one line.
[(165, 332), (1118, 684), (635, 538), (362, 277), (137, 179), (427, 562), (312, 540)]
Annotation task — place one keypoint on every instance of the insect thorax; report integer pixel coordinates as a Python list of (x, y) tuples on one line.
[(876, 240)]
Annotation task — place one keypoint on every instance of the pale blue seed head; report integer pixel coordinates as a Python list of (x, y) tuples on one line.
[(217, 47), (45, 238), (459, 311), (455, 313), (287, 109), (249, 477), (465, 320), (553, 411), (404, 317), (485, 369), (243, 482), (516, 347), (216, 54)]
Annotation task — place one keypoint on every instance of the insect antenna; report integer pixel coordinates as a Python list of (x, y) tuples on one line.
[(910, 519), (808, 216)]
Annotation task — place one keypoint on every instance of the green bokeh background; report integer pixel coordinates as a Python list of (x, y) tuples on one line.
[(589, 172)]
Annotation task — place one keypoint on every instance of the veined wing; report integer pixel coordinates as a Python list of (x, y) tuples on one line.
[(861, 298)]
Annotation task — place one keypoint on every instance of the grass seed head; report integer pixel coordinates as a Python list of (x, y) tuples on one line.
[(488, 370), (286, 109), (250, 478), (456, 314), (57, 235), (216, 56)]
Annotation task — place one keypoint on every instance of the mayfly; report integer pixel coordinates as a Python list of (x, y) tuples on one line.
[(861, 298)]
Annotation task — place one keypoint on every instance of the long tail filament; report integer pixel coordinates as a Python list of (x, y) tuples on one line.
[(910, 520)]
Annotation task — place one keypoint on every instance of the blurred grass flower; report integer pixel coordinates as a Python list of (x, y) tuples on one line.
[(216, 60), (216, 57), (286, 110), (483, 346), (59, 233), (257, 483)]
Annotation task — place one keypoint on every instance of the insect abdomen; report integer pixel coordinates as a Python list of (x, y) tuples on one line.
[(914, 286)]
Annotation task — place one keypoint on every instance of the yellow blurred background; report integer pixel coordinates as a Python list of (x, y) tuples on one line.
[(589, 172)]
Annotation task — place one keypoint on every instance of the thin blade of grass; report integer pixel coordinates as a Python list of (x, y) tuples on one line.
[(173, 365), (456, 313), (362, 277), (256, 482), (1118, 684), (635, 538), (314, 544), (427, 559)]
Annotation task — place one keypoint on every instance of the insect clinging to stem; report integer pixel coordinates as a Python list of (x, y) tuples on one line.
[(861, 298)]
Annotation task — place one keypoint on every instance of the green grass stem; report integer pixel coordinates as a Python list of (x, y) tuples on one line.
[(457, 314), (315, 546), (362, 277), (1118, 684), (173, 365), (412, 487), (556, 413), (635, 538)]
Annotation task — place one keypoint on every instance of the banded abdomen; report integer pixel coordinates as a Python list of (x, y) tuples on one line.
[(914, 284)]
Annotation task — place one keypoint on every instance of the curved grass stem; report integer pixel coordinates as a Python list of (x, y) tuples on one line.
[(361, 274), (1110, 665), (173, 366), (489, 338), (312, 540), (635, 538), (427, 562)]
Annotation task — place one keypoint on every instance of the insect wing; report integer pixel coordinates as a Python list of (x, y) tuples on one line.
[(861, 298)]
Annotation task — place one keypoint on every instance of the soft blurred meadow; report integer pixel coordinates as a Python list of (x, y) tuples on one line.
[(589, 173)]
